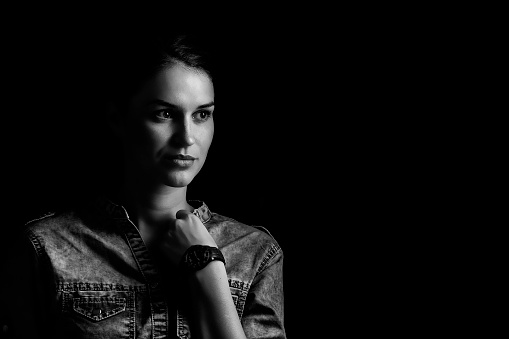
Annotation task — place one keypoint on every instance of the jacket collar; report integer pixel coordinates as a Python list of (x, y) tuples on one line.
[(106, 207)]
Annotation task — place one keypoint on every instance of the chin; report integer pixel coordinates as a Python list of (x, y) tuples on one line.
[(179, 179)]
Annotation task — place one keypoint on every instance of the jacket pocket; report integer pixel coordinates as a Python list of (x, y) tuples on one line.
[(98, 308), (98, 314)]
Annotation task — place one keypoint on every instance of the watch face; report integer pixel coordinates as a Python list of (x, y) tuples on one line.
[(197, 257)]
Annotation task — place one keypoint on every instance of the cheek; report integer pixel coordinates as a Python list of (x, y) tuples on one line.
[(206, 139), (148, 138)]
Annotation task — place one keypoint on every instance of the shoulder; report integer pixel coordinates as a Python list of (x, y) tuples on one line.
[(39, 219), (47, 220), (229, 230), (52, 224)]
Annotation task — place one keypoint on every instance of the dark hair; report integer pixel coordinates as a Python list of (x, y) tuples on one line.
[(135, 57)]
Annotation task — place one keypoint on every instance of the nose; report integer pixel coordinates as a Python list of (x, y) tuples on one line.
[(184, 135)]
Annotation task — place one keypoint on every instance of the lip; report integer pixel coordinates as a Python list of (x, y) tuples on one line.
[(180, 157), (180, 160)]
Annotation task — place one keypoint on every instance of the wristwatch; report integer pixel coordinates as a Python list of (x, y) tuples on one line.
[(197, 257)]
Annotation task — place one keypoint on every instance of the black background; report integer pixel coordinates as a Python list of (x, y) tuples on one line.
[(264, 164), (312, 141)]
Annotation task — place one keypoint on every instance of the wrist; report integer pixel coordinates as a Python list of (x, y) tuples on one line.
[(215, 269), (198, 257)]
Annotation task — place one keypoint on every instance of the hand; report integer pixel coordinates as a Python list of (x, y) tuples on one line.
[(185, 231)]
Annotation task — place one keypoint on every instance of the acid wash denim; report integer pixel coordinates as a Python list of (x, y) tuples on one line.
[(93, 277)]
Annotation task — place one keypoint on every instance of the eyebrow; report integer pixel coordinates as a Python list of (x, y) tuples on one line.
[(167, 104)]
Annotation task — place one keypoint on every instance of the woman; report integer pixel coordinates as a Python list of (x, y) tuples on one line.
[(143, 261)]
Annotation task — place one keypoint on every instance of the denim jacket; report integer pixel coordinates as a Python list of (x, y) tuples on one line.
[(95, 278)]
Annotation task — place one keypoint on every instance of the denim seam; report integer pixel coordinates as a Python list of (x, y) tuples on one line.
[(152, 320), (144, 277), (126, 237), (43, 216), (36, 242), (79, 286), (274, 249), (264, 229), (182, 326), (132, 317)]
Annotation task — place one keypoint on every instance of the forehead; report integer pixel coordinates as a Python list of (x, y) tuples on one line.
[(178, 85)]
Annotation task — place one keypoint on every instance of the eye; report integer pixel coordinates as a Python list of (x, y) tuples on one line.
[(202, 116), (164, 114)]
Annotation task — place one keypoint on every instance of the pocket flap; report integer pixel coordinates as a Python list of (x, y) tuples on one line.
[(98, 308)]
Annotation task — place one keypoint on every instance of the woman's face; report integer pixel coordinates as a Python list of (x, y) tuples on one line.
[(169, 126)]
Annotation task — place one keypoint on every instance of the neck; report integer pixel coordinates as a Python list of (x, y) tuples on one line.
[(153, 206)]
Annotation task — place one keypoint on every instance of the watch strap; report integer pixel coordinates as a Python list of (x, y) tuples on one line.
[(197, 257)]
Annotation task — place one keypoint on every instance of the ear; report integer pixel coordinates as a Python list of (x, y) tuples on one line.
[(115, 119)]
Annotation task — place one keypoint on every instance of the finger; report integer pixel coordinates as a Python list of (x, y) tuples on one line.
[(181, 214)]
